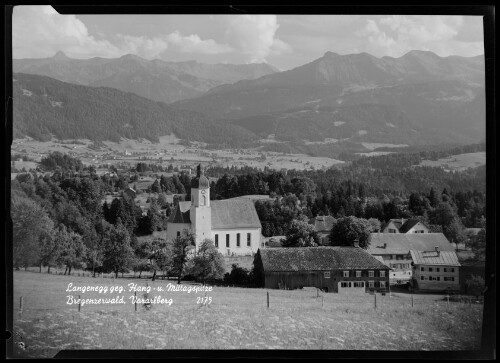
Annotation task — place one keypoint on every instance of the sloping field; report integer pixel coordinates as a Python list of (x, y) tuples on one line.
[(458, 162), (237, 318)]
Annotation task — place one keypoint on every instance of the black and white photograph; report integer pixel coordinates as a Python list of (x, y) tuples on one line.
[(249, 181)]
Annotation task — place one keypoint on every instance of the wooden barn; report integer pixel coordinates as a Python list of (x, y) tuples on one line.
[(333, 269)]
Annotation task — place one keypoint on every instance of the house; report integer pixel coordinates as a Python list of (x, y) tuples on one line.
[(323, 225), (333, 269), (401, 225), (129, 193), (435, 270), (233, 224), (393, 249), (274, 241)]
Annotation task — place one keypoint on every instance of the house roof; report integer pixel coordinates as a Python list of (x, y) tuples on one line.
[(318, 259), (322, 223), (397, 222), (447, 258), (398, 243), (409, 224), (179, 216), (229, 213)]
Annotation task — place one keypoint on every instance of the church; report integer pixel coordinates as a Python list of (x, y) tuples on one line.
[(232, 224)]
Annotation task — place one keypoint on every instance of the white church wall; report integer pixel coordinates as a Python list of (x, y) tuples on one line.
[(243, 249)]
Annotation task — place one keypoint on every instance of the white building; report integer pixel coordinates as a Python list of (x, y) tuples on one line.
[(232, 224)]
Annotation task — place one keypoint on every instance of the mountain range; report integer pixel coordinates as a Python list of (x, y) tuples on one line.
[(419, 98), (154, 79)]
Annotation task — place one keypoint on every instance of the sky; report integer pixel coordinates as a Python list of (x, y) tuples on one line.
[(285, 41)]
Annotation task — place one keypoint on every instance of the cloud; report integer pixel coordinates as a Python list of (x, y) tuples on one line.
[(39, 32), (194, 44), (397, 34), (145, 47), (254, 36)]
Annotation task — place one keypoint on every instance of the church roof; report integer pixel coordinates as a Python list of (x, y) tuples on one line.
[(234, 213), (229, 213)]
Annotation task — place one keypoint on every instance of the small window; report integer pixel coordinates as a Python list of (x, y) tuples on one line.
[(227, 240), (327, 274), (437, 269), (237, 240), (178, 233), (422, 269), (422, 278), (217, 240), (249, 239), (346, 273), (358, 273), (371, 284), (445, 269), (452, 270), (438, 278), (382, 284), (371, 274), (382, 273), (430, 269)]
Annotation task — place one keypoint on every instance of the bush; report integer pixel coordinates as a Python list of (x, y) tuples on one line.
[(475, 285), (237, 276)]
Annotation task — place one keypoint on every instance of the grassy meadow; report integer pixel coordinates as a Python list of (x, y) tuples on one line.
[(237, 318)]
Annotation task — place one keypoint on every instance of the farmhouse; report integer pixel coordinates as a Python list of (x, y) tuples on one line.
[(401, 225), (435, 270), (393, 249), (334, 269), (233, 224), (323, 225)]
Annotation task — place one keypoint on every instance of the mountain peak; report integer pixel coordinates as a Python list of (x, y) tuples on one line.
[(60, 55), (330, 54)]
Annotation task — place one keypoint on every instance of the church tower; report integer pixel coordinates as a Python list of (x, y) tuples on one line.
[(200, 212)]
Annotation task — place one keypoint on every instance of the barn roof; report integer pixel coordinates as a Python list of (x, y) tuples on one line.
[(318, 259), (447, 258), (399, 243), (229, 213)]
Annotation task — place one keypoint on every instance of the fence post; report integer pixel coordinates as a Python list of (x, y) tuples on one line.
[(268, 299), (375, 299), (79, 303), (21, 305), (135, 300)]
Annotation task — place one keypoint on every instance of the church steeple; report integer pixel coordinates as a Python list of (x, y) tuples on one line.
[(200, 212), (201, 181)]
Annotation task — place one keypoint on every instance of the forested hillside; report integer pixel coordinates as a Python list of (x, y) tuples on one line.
[(43, 107)]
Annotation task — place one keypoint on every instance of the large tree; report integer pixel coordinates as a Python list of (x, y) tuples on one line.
[(349, 230), (181, 247), (30, 224), (118, 253), (301, 234), (208, 262)]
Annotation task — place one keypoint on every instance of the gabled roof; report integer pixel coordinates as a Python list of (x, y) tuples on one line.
[(397, 222), (178, 216), (229, 213), (446, 258), (234, 213), (409, 224), (322, 223), (398, 243), (318, 259)]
